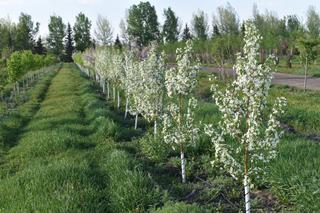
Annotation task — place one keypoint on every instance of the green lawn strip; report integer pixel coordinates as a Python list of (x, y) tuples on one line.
[(12, 124), (66, 160), (294, 176)]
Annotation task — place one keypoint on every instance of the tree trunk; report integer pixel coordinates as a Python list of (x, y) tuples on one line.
[(118, 94), (246, 179), (289, 58), (155, 127), (305, 75), (183, 166), (136, 122), (126, 110), (108, 91), (223, 74), (114, 93), (103, 83), (247, 193)]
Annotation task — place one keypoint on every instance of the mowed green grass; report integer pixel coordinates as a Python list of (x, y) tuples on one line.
[(12, 123), (65, 159)]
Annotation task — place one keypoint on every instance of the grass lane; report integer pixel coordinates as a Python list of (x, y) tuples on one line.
[(66, 159)]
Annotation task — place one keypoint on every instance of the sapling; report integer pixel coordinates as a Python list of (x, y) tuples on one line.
[(152, 82), (127, 84), (136, 90), (116, 73), (308, 54), (243, 130), (178, 122)]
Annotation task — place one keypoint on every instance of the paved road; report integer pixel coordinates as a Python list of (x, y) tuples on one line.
[(281, 79)]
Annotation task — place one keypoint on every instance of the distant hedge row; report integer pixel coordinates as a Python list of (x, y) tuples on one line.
[(21, 62)]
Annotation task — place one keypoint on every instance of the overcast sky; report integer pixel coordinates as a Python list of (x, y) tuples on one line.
[(114, 10)]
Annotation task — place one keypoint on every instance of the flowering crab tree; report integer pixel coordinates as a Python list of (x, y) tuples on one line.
[(152, 82), (178, 121), (116, 73), (135, 89), (245, 141), (101, 67), (128, 75)]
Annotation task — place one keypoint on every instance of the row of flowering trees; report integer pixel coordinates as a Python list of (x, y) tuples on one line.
[(164, 94)]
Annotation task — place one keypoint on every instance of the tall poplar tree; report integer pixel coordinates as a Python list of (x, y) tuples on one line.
[(170, 31), (143, 24), (56, 36), (81, 31)]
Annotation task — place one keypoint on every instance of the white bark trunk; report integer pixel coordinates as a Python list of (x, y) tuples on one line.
[(183, 167), (103, 83), (108, 91), (136, 122), (247, 194), (118, 94), (155, 128), (114, 94), (126, 110)]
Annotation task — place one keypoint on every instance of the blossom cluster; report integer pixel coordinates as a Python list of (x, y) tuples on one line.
[(179, 128), (181, 80)]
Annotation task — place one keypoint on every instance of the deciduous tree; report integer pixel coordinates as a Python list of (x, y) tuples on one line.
[(81, 30), (103, 31), (170, 29), (143, 26), (56, 36), (244, 142)]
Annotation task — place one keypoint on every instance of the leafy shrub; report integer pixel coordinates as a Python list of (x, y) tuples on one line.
[(154, 148), (20, 62)]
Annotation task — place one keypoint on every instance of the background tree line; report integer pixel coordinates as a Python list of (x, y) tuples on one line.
[(216, 40)]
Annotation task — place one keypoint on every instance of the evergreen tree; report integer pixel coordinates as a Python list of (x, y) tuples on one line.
[(216, 31), (69, 45), (117, 43), (39, 48), (186, 35), (243, 29), (81, 31), (170, 31)]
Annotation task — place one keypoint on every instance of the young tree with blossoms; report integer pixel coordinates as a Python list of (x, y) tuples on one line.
[(128, 74), (178, 122), (136, 90), (243, 130), (116, 74), (101, 67), (152, 82)]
